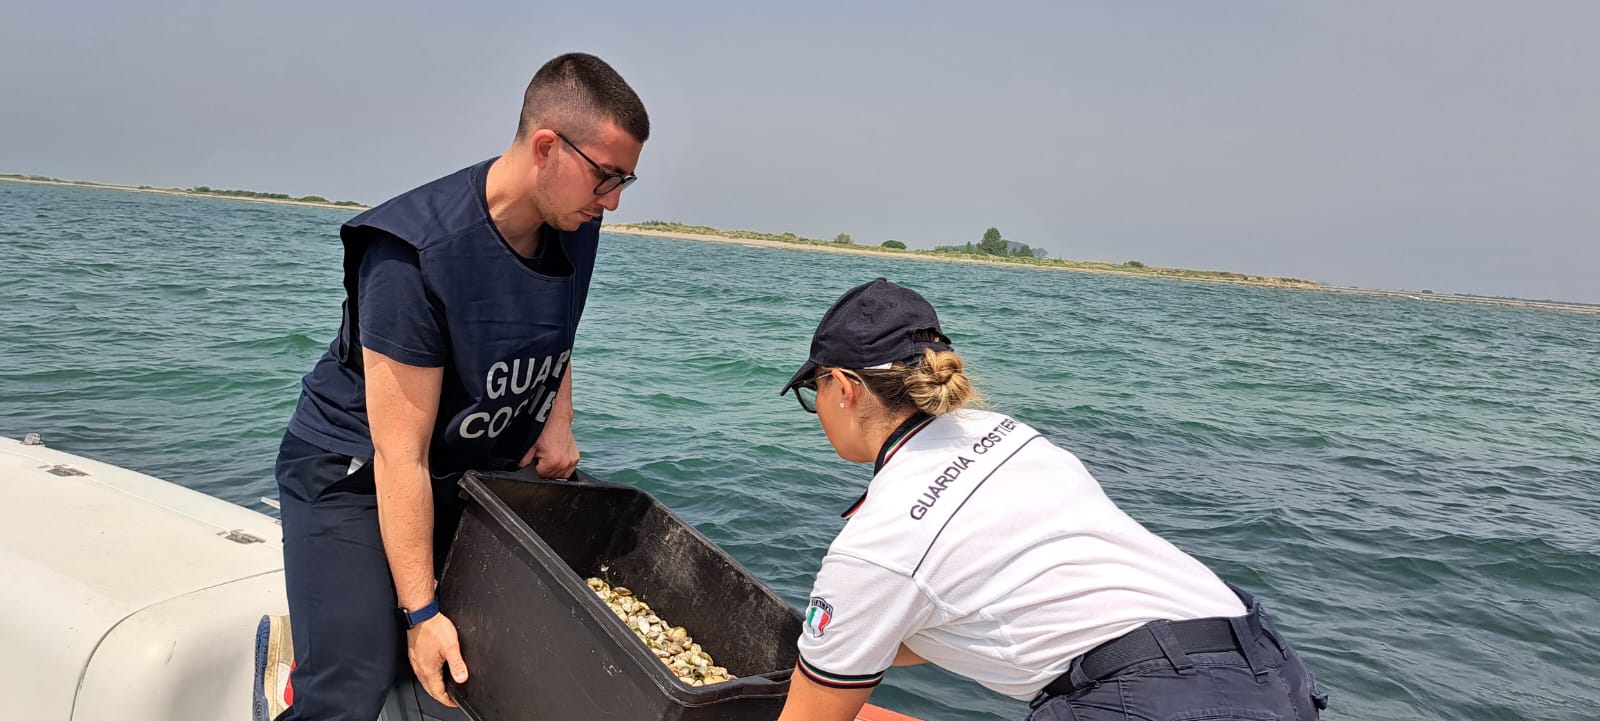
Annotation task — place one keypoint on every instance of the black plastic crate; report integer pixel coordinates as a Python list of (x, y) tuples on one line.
[(541, 646)]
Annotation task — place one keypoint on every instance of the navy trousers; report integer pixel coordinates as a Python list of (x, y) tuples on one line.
[(1264, 681), (349, 648)]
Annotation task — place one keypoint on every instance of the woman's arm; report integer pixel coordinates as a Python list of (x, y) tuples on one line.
[(907, 657), (809, 701)]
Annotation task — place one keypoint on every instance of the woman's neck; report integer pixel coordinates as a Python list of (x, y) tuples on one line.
[(876, 432)]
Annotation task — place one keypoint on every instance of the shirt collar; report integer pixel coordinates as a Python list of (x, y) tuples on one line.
[(909, 428)]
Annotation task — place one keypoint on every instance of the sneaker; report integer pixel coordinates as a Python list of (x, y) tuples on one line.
[(274, 661)]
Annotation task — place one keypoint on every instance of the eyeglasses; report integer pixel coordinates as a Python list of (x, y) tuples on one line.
[(806, 391), (609, 181)]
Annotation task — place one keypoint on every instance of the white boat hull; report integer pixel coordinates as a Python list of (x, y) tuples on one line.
[(127, 598)]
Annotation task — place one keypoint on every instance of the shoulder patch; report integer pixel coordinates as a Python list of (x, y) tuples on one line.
[(818, 615)]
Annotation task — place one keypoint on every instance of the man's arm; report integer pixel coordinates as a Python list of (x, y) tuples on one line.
[(402, 402), (556, 450)]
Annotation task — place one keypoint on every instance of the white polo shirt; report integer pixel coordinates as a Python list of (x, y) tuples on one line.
[(989, 551)]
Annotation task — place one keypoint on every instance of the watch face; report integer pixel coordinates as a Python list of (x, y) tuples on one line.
[(410, 619)]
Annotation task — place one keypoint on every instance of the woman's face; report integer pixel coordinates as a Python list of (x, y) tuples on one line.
[(839, 408)]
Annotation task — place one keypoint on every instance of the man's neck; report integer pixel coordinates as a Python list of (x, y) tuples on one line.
[(509, 208)]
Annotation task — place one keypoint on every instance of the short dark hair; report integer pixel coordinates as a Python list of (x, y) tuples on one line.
[(574, 91)]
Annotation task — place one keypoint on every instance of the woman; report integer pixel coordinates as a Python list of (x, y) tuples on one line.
[(983, 548)]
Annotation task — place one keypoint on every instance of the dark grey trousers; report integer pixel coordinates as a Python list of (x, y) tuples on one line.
[(1264, 681)]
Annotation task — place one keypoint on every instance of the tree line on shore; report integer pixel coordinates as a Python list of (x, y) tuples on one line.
[(992, 246), (197, 190)]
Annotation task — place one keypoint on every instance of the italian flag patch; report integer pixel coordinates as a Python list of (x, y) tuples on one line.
[(818, 615)]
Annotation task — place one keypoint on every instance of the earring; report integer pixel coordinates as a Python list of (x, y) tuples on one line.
[(841, 404)]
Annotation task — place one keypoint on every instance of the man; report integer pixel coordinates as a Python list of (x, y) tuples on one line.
[(462, 301)]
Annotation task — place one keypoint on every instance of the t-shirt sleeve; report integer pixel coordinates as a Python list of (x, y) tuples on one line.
[(397, 318), (858, 616)]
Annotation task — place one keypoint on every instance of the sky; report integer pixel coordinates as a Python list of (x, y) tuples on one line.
[(1449, 145)]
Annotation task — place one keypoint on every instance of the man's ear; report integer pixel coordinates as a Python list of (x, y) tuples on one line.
[(542, 144)]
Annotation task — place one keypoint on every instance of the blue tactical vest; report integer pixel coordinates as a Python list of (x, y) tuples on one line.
[(510, 329)]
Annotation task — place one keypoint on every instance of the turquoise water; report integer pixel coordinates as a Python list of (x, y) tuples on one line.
[(1413, 486)]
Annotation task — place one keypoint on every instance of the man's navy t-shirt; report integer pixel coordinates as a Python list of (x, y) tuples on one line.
[(438, 287)]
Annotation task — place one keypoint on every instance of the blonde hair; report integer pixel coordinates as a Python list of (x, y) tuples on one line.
[(936, 384), (939, 384)]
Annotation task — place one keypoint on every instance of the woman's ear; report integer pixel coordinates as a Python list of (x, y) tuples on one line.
[(849, 390)]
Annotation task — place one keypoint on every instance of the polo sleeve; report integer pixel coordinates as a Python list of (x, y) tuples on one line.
[(397, 318), (858, 616)]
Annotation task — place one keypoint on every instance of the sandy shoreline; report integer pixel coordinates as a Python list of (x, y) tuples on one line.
[(186, 193), (867, 250), (1398, 294)]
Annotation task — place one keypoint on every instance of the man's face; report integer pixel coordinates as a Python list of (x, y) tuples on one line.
[(604, 161)]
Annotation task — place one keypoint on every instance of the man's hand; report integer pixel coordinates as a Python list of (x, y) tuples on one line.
[(555, 453), (431, 645)]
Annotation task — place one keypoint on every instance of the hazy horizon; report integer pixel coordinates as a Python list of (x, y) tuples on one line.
[(1450, 146)]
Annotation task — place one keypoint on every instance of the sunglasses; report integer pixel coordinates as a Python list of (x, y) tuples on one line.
[(806, 391), (609, 181)]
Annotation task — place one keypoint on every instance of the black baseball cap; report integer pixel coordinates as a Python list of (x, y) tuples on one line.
[(871, 326)]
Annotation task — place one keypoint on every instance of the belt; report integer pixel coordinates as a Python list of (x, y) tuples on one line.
[(1200, 635)]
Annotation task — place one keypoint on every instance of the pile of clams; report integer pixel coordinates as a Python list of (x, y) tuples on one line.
[(672, 645)]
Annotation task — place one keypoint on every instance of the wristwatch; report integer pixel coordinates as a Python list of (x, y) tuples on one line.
[(410, 619)]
